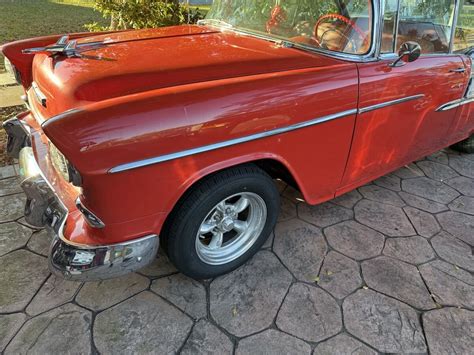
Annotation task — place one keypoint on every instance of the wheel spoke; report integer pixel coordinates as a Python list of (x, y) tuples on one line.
[(221, 207), (240, 226), (241, 204), (231, 228), (216, 241), (207, 227)]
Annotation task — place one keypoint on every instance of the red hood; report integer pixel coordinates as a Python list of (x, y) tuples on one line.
[(137, 61)]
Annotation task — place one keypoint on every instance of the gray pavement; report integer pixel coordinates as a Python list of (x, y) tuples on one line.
[(10, 92), (387, 268)]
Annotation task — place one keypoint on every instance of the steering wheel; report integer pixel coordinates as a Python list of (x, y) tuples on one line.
[(341, 18)]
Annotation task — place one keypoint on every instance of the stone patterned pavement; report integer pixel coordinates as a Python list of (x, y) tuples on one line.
[(384, 269)]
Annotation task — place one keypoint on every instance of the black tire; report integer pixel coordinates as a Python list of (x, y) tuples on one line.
[(181, 230), (465, 146)]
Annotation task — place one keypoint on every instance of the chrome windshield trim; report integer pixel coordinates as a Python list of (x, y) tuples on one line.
[(454, 104), (390, 103), (231, 142), (370, 56)]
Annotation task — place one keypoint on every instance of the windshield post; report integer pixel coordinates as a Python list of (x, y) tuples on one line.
[(455, 23)]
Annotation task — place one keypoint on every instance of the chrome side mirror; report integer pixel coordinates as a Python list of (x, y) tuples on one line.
[(409, 52)]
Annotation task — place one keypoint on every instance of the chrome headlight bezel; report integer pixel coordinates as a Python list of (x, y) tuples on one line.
[(63, 167)]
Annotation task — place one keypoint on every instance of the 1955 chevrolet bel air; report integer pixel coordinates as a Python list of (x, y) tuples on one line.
[(173, 136)]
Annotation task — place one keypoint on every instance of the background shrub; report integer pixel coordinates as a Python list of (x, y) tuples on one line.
[(125, 14)]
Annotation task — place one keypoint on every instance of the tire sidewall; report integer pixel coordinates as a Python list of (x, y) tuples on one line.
[(182, 245)]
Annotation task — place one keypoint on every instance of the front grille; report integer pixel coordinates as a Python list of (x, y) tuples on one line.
[(59, 162)]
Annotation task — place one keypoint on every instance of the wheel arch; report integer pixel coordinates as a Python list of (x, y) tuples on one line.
[(275, 167)]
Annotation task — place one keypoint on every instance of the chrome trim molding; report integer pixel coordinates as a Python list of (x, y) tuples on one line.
[(231, 142), (207, 148), (38, 94), (454, 104), (390, 103), (91, 218)]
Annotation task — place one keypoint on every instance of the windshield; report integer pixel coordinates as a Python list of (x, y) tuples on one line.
[(335, 25)]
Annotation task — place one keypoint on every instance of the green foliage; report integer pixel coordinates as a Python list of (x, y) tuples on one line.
[(137, 14)]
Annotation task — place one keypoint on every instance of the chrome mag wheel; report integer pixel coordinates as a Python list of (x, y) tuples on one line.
[(231, 228)]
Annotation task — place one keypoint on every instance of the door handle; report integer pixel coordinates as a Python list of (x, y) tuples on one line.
[(458, 70)]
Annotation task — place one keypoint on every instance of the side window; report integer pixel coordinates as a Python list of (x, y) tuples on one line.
[(464, 35), (429, 23), (389, 26)]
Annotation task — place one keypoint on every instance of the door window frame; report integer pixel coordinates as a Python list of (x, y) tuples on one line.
[(457, 5)]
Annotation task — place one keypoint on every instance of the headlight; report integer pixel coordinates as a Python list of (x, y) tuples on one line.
[(12, 70), (61, 164)]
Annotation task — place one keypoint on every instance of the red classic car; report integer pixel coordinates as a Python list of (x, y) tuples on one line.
[(173, 136)]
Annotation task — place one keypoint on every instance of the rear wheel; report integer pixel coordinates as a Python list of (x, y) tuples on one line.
[(465, 146), (222, 222)]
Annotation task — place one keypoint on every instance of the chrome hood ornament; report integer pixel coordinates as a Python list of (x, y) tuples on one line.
[(66, 47)]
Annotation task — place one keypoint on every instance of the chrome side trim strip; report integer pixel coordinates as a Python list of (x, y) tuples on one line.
[(389, 103), (231, 142), (454, 104), (39, 94)]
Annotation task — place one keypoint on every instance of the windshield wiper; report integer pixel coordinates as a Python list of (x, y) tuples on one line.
[(214, 22)]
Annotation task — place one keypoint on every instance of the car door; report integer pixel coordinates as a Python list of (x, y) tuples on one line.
[(398, 118), (463, 44)]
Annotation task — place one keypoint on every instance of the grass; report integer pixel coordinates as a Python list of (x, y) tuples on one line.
[(31, 18), (21, 19)]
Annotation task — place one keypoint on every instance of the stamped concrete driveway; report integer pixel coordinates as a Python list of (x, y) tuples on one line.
[(388, 268)]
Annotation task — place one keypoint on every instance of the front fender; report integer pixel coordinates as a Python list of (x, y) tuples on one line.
[(99, 137)]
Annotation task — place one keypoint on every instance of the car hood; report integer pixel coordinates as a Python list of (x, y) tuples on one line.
[(137, 61)]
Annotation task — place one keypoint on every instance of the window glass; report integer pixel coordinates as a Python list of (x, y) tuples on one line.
[(389, 22), (427, 22), (336, 25), (464, 36)]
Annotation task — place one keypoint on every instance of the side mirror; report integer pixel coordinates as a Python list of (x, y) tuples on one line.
[(409, 52)]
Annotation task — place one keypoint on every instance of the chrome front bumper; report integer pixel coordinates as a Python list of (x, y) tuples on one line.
[(91, 263), (44, 209)]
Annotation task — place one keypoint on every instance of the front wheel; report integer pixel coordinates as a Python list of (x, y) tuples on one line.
[(465, 146), (222, 222)]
